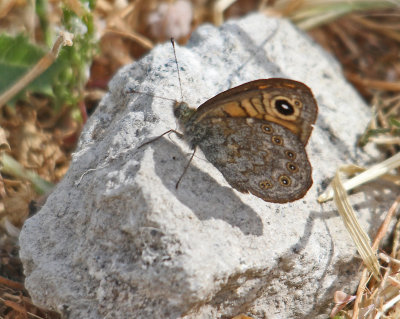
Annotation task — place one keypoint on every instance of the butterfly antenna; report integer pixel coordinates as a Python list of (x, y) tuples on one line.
[(150, 94), (177, 67)]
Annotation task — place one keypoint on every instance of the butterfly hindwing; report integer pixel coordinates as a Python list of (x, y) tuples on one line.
[(256, 156)]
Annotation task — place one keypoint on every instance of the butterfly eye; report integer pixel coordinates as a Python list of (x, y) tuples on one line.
[(265, 184), (284, 107), (267, 129), (293, 168), (290, 155), (285, 180), (277, 140)]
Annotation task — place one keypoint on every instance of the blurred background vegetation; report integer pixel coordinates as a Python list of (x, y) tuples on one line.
[(56, 58)]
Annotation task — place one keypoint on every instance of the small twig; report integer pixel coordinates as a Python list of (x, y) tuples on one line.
[(384, 30), (360, 292), (373, 84), (384, 226), (396, 240), (138, 38), (378, 291), (11, 284)]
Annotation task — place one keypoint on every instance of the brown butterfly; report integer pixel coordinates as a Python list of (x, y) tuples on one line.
[(255, 134)]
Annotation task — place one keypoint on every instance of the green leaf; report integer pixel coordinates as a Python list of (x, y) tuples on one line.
[(17, 57), (395, 122), (65, 79)]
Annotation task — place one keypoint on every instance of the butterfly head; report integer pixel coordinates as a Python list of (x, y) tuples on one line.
[(183, 112)]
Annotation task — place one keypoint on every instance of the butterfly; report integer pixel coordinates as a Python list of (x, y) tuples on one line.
[(255, 134)]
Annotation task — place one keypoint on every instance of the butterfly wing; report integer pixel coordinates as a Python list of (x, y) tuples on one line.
[(257, 156), (282, 101)]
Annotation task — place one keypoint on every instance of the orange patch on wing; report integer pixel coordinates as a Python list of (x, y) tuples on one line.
[(250, 109), (289, 85), (291, 126), (234, 109), (258, 105)]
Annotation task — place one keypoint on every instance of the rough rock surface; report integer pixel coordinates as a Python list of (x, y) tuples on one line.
[(117, 240)]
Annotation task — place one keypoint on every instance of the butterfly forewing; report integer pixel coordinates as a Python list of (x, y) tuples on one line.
[(285, 102)]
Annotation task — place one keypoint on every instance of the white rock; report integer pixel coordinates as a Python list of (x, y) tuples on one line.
[(117, 240)]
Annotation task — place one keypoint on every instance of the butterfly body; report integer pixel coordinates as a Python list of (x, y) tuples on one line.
[(255, 135)]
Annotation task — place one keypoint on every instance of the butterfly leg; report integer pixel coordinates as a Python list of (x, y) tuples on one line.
[(185, 169), (180, 135)]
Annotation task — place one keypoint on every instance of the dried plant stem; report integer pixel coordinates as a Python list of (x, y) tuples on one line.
[(370, 174), (394, 34), (218, 10), (364, 277), (360, 293), (10, 283), (374, 84), (378, 291), (359, 236), (384, 226), (396, 240), (138, 38)]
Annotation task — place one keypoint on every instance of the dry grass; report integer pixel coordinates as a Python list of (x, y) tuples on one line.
[(363, 35), (368, 46)]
